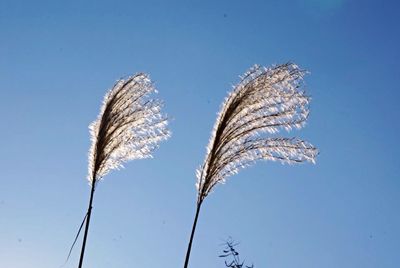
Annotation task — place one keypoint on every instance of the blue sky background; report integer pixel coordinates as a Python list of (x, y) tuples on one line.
[(58, 58)]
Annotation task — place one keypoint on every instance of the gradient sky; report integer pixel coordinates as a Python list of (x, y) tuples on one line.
[(58, 58)]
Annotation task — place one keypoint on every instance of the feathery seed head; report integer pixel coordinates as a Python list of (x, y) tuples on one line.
[(266, 100), (129, 126)]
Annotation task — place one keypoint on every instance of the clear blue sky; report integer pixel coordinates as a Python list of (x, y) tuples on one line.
[(58, 58)]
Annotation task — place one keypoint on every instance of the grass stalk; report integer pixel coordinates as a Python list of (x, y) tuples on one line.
[(89, 213), (189, 249)]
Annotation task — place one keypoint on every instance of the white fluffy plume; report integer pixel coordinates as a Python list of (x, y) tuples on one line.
[(266, 100), (129, 126)]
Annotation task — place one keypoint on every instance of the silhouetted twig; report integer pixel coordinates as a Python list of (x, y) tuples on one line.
[(232, 259)]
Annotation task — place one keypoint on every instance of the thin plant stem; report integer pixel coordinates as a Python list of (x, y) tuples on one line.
[(89, 213), (192, 235), (129, 126)]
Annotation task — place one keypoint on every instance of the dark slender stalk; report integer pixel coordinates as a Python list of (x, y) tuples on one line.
[(191, 236), (89, 212)]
